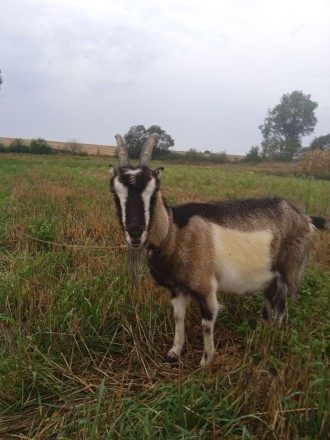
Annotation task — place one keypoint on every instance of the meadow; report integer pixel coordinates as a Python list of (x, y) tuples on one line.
[(82, 350)]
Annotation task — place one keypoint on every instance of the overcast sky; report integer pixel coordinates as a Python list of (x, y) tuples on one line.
[(205, 71)]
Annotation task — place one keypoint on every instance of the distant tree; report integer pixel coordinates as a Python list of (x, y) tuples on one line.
[(253, 155), (1, 80), (138, 134), (165, 142), (286, 124), (134, 139), (320, 142), (75, 148)]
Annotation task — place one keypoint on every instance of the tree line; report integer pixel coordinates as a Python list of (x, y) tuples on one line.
[(41, 146), (282, 131)]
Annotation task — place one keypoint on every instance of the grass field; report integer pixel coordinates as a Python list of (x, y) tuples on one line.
[(81, 350)]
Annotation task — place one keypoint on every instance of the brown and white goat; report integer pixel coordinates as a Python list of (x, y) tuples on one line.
[(196, 249)]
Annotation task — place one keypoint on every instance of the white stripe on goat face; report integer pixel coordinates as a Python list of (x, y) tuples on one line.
[(146, 197), (122, 193)]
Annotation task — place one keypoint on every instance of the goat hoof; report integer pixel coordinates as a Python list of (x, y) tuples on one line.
[(171, 357), (206, 359)]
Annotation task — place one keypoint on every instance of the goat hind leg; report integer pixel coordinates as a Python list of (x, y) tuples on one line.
[(280, 305), (267, 311), (209, 310), (275, 301)]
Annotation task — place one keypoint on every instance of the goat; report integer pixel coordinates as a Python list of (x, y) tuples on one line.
[(196, 249)]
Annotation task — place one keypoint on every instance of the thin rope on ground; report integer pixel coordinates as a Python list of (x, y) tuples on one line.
[(74, 246)]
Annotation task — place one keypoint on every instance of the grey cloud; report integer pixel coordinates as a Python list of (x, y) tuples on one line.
[(205, 72)]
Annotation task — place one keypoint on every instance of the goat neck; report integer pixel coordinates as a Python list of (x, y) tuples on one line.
[(161, 227)]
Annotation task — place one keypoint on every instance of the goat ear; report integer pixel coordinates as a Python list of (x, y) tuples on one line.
[(113, 171), (159, 171)]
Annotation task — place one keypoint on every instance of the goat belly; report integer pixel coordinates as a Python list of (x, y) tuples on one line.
[(242, 259)]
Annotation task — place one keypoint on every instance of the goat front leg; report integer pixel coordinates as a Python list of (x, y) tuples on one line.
[(179, 303)]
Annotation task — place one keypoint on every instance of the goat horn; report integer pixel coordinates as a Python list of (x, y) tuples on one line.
[(146, 152), (121, 151)]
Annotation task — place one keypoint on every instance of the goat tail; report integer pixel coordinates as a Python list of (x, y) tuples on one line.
[(320, 223)]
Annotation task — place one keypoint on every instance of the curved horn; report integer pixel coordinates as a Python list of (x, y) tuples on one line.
[(146, 152), (121, 151)]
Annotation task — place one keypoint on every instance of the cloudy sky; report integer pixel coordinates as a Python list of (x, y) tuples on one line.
[(204, 70)]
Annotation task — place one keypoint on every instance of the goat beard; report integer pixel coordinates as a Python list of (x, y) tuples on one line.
[(135, 257)]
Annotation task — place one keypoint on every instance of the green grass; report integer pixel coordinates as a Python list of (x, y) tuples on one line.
[(81, 350)]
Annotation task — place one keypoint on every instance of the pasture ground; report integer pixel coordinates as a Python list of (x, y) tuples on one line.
[(81, 350)]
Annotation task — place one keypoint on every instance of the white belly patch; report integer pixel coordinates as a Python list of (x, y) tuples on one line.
[(242, 259)]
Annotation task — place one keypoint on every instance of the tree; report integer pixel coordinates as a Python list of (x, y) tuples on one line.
[(286, 124), (138, 134), (320, 142), (134, 139)]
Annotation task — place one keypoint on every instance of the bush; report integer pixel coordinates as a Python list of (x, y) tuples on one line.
[(218, 157), (3, 149), (193, 155), (18, 146), (253, 155), (40, 146), (75, 148)]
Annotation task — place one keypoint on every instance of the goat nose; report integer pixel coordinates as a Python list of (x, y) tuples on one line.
[(135, 233)]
